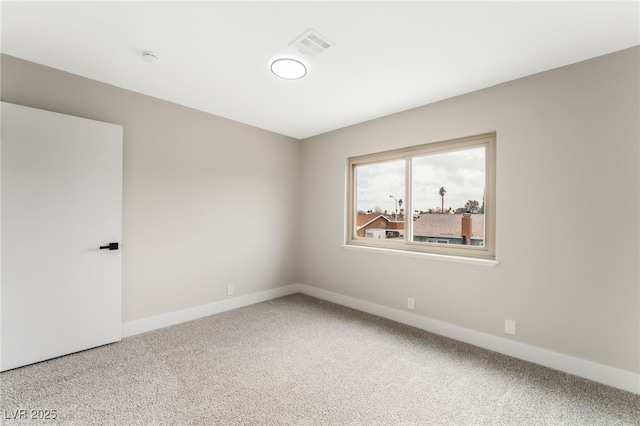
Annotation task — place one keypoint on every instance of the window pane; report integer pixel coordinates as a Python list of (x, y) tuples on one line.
[(448, 197), (379, 200)]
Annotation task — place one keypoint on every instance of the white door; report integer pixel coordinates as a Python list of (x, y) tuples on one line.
[(61, 194)]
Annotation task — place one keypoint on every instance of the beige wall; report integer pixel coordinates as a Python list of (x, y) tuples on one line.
[(207, 201), (199, 189), (568, 223)]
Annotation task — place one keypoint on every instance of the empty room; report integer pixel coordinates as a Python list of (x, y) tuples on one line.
[(327, 213)]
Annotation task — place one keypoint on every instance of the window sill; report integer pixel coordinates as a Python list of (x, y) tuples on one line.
[(430, 256)]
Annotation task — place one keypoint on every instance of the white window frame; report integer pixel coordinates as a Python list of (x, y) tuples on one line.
[(487, 251)]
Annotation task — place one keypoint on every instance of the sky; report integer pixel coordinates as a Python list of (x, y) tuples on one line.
[(461, 173)]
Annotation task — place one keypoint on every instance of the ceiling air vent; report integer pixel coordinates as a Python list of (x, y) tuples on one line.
[(311, 43)]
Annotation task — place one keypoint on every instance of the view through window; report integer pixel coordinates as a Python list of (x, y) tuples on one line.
[(435, 198)]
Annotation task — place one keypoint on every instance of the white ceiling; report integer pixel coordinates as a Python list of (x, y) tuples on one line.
[(386, 57)]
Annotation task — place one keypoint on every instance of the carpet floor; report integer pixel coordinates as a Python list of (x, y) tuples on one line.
[(298, 360)]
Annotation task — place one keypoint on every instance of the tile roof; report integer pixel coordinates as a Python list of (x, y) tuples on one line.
[(363, 219), (447, 225)]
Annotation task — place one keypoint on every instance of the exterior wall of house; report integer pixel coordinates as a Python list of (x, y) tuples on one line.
[(378, 223), (198, 191), (446, 240), (567, 169)]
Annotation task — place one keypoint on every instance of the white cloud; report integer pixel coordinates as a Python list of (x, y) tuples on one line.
[(461, 173), (376, 182)]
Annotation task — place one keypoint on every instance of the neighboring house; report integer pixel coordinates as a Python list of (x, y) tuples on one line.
[(378, 226), (447, 228)]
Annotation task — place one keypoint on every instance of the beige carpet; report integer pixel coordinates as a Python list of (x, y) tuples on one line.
[(301, 361)]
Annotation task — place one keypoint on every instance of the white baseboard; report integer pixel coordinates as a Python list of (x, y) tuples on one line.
[(172, 318), (610, 376)]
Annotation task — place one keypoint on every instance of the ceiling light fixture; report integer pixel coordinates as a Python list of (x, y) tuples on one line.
[(289, 69)]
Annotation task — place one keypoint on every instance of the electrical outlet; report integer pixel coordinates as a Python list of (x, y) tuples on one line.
[(510, 327), (411, 303), (229, 289)]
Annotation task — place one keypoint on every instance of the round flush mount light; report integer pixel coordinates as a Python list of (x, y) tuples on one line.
[(150, 57), (289, 69)]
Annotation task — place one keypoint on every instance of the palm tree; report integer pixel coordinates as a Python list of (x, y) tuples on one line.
[(442, 192)]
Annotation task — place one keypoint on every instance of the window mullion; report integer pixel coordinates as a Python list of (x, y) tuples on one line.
[(408, 216)]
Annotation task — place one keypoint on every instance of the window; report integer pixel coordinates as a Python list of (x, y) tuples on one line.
[(435, 198)]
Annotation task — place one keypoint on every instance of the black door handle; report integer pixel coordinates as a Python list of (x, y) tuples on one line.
[(111, 246)]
